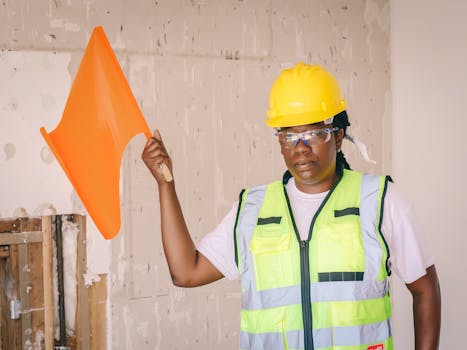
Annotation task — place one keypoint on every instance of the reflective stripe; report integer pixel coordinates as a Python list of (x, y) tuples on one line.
[(245, 228), (256, 300), (369, 197), (348, 290), (269, 341), (321, 291), (323, 338), (352, 336)]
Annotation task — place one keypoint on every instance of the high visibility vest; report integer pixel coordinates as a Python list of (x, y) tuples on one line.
[(329, 292)]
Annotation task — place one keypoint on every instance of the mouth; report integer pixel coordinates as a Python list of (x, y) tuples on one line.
[(304, 165)]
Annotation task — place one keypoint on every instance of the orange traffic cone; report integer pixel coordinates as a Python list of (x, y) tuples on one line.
[(101, 116)]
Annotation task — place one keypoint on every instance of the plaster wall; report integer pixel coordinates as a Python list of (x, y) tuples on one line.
[(429, 87), (201, 71)]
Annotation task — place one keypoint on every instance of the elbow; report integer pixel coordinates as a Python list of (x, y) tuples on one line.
[(181, 281)]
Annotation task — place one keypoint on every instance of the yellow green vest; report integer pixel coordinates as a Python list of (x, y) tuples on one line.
[(330, 292)]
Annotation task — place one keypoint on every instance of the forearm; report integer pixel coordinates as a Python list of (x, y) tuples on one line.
[(427, 312), (179, 248), (187, 267)]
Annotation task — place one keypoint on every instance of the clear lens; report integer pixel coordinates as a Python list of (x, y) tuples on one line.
[(309, 137)]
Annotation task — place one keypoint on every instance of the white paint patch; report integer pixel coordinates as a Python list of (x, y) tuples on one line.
[(45, 209), (20, 213), (98, 250), (69, 245), (23, 112), (90, 278), (68, 26), (128, 322), (38, 341), (76, 204)]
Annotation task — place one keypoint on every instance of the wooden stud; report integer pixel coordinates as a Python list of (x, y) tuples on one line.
[(26, 328), (13, 326), (47, 263), (82, 306), (98, 313)]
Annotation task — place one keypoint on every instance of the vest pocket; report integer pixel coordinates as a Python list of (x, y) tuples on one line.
[(272, 257), (338, 248)]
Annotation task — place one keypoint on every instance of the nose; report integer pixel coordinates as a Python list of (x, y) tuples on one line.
[(302, 146)]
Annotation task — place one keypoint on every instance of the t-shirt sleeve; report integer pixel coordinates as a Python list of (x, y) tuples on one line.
[(218, 245), (409, 255)]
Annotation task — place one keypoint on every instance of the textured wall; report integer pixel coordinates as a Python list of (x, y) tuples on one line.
[(430, 88), (201, 71)]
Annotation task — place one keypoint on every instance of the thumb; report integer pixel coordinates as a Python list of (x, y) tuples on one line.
[(157, 135)]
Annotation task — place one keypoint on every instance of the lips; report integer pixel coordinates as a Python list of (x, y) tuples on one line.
[(304, 164)]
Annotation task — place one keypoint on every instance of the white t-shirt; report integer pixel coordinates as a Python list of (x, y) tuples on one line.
[(409, 258)]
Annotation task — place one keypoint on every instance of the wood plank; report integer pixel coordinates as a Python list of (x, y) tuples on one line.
[(47, 263), (82, 310), (26, 329), (98, 313), (2, 305), (4, 252), (12, 275), (25, 270), (20, 237), (36, 293), (10, 225), (31, 224)]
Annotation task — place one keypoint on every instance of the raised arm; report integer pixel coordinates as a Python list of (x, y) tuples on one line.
[(426, 310), (188, 268)]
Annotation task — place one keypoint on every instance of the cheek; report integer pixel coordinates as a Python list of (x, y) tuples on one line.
[(285, 156), (327, 154)]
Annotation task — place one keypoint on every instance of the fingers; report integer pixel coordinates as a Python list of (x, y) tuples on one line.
[(156, 158), (155, 144)]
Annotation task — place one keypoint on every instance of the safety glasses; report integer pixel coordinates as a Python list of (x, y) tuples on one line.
[(310, 137)]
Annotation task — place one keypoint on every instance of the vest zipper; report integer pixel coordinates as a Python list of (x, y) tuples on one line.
[(305, 282), (306, 298), (305, 265)]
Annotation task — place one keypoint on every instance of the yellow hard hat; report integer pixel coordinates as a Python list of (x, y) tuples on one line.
[(303, 94)]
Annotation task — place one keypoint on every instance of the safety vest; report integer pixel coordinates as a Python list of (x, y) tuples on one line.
[(329, 292)]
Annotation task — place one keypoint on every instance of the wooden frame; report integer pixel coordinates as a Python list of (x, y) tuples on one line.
[(26, 259)]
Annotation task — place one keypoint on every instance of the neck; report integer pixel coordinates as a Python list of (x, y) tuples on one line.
[(318, 186)]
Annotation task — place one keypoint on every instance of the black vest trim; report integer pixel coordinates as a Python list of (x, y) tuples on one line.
[(347, 211), (236, 223), (270, 220)]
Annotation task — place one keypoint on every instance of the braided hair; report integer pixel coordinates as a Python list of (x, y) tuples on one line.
[(341, 120)]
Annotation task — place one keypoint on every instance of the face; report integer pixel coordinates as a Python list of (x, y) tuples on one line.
[(312, 166)]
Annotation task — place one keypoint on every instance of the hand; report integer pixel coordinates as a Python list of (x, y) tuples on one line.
[(154, 156)]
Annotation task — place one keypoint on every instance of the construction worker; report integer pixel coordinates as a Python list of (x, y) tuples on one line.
[(315, 250)]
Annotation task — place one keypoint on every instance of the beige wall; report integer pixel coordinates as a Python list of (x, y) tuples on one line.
[(201, 71), (429, 89)]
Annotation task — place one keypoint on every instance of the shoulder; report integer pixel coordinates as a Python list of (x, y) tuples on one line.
[(396, 200), (260, 189)]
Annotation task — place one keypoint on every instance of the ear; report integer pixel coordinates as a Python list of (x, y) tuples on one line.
[(339, 138)]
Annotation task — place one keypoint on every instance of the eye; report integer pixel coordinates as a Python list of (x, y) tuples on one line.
[(290, 137), (322, 134)]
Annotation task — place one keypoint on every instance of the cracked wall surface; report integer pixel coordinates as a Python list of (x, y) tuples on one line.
[(201, 71)]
